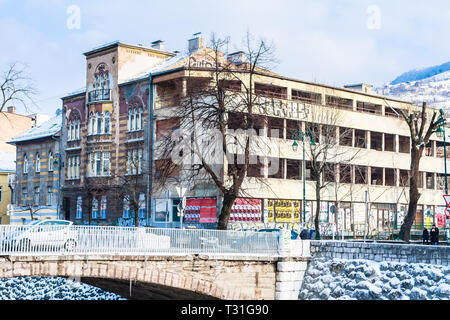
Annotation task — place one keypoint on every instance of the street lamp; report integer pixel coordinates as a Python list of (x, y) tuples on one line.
[(300, 135), (440, 132)]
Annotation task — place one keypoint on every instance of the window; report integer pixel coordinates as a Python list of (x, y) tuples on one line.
[(294, 169), (308, 97), (103, 204), (141, 118), (91, 124), (389, 144), (69, 168), (389, 177), (376, 176), (36, 196), (106, 163), (0, 194), (346, 137), (94, 208), (132, 127), (430, 180), (49, 196), (340, 103), (140, 151), (256, 170), (137, 117), (25, 196), (270, 91), (79, 207), (130, 119), (77, 167), (38, 162), (98, 163), (376, 139), (91, 165), (276, 168), (360, 139), (345, 173), (404, 144), (360, 175), (99, 123), (107, 122), (291, 127), (50, 161), (78, 129), (25, 164), (275, 127), (368, 107)]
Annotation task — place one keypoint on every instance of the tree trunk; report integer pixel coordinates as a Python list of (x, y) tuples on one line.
[(228, 201), (414, 196), (317, 217)]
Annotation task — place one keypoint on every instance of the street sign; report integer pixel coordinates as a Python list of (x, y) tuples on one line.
[(447, 210)]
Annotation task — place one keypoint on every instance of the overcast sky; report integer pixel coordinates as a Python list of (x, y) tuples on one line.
[(331, 42)]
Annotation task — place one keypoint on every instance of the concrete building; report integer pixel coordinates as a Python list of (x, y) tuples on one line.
[(129, 101), (37, 181)]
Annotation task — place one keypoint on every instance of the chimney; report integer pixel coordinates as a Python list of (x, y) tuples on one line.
[(237, 57), (158, 44), (196, 42), (12, 109), (366, 88)]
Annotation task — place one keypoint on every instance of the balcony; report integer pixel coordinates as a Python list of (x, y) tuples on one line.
[(99, 95)]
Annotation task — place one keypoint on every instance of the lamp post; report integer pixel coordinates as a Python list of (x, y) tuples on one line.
[(300, 135), (440, 132)]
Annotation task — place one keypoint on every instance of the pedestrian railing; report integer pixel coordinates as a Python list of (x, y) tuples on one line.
[(35, 240)]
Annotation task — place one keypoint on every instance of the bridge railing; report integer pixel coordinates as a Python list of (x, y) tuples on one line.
[(36, 240)]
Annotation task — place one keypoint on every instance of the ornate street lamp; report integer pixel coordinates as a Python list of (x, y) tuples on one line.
[(440, 132), (300, 135)]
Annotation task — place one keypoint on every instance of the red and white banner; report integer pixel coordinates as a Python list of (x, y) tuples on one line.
[(246, 210)]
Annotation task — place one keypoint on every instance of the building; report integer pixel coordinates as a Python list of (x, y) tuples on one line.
[(37, 181), (11, 124), (128, 105)]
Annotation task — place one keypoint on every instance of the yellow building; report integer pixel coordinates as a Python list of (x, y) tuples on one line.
[(11, 124)]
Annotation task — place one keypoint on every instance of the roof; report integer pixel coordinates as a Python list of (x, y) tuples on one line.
[(117, 43), (47, 129)]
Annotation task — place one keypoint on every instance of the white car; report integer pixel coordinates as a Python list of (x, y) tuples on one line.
[(45, 234)]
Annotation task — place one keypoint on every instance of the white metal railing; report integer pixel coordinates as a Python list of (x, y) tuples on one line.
[(63, 239)]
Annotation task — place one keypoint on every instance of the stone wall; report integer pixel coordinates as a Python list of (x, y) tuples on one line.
[(225, 277), (438, 255)]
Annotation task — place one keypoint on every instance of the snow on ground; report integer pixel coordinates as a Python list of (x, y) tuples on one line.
[(51, 288), (368, 280)]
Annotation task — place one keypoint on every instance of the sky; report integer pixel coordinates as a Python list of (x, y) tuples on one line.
[(326, 41)]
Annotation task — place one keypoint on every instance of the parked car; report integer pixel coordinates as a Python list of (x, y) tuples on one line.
[(42, 233)]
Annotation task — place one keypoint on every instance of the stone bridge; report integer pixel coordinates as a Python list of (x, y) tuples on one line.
[(168, 277)]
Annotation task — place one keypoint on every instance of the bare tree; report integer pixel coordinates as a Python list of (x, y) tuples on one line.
[(421, 130), (220, 97), (16, 87), (324, 152)]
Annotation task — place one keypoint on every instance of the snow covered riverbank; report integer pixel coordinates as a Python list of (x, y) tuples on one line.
[(368, 280), (50, 288)]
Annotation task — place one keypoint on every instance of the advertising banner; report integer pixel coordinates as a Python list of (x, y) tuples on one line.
[(202, 210), (246, 210)]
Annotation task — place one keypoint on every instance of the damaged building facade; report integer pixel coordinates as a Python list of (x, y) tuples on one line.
[(111, 128)]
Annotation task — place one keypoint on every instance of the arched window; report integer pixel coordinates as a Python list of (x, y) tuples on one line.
[(78, 129), (99, 123), (138, 119), (132, 121), (130, 116), (141, 117), (37, 164), (50, 161), (25, 163), (107, 121)]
